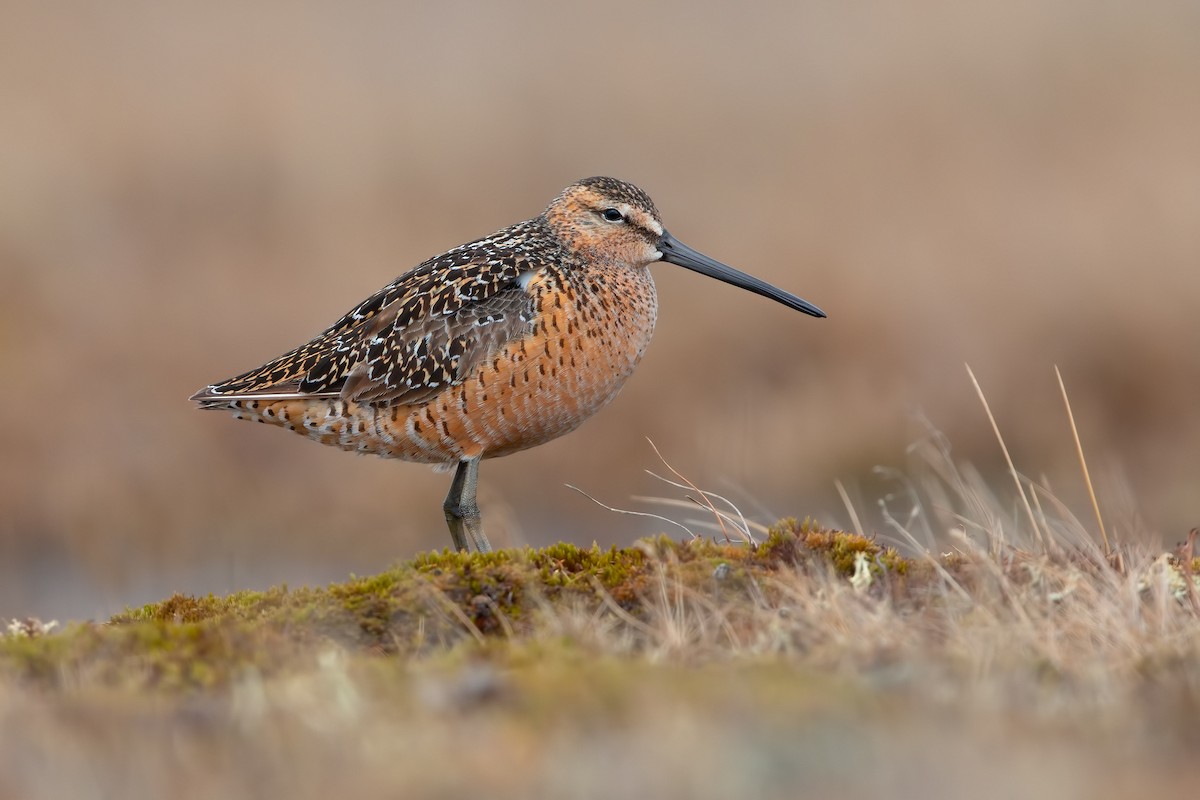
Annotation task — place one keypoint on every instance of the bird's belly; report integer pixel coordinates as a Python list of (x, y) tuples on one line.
[(547, 391), (540, 387)]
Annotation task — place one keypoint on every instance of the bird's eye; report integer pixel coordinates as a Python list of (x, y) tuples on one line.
[(612, 215)]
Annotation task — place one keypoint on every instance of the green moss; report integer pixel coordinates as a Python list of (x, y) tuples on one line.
[(434, 602), (800, 542)]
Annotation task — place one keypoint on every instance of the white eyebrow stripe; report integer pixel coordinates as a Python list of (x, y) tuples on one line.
[(651, 223)]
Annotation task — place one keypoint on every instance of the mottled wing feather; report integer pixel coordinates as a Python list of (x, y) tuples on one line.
[(414, 362), (424, 331)]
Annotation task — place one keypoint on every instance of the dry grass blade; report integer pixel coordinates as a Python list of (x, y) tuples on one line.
[(946, 578), (658, 517), (1087, 478), (616, 609), (1037, 530), (690, 503), (741, 523), (841, 490), (448, 606), (693, 487), (499, 615)]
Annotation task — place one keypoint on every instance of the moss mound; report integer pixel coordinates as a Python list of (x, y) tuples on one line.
[(433, 602)]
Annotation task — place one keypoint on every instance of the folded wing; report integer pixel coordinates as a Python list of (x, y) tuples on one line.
[(412, 339)]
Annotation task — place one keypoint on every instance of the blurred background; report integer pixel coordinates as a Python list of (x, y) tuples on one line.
[(187, 191)]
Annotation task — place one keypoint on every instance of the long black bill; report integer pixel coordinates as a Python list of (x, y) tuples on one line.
[(676, 252)]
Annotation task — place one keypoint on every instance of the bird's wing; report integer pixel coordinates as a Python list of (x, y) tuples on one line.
[(410, 340)]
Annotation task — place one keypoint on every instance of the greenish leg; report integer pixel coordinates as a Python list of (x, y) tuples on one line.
[(462, 512)]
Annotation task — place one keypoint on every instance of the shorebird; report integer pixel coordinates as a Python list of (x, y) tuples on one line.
[(493, 347)]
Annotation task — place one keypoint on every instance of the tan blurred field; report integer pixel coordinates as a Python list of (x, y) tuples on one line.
[(186, 193)]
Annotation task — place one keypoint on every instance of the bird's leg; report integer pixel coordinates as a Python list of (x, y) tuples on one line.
[(462, 512)]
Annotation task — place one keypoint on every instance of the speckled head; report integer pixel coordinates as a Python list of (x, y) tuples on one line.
[(605, 219), (621, 193)]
